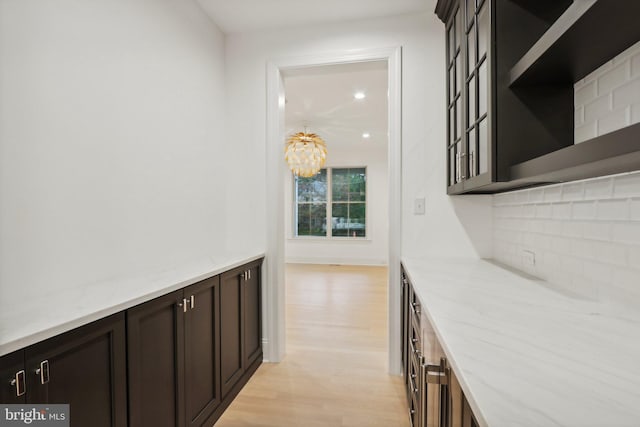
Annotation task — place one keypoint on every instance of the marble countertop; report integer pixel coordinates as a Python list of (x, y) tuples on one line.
[(527, 354), (50, 314)]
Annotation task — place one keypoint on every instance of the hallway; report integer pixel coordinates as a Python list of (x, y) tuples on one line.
[(335, 370)]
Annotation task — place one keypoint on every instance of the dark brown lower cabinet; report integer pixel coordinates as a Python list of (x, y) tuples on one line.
[(155, 338), (192, 351), (174, 347), (240, 321), (434, 395), (85, 368), (175, 361)]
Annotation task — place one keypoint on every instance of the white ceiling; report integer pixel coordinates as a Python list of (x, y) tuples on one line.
[(321, 98), (236, 16)]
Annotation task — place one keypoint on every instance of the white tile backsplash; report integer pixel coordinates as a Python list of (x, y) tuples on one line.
[(606, 99), (582, 233)]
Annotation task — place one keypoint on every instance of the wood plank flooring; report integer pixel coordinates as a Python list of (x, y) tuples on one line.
[(335, 370)]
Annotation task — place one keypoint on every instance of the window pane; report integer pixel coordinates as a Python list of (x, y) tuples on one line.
[(483, 84), (471, 99), (312, 219), (471, 48), (483, 31), (349, 219), (357, 185), (312, 189)]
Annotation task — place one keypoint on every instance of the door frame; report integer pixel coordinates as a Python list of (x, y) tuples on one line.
[(274, 341)]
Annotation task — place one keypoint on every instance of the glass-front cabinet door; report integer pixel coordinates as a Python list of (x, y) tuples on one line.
[(455, 148), (468, 95)]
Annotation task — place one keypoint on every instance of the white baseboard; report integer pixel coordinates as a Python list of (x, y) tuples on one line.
[(335, 261)]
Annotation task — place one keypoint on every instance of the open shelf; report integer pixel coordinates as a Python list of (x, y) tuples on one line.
[(608, 154), (588, 34)]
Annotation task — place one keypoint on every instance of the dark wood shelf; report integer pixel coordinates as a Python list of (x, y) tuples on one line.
[(612, 153), (588, 34)]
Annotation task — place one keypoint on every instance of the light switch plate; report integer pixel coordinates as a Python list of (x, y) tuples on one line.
[(418, 206), (529, 257)]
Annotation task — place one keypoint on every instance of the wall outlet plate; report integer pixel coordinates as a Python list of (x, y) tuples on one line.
[(529, 257), (418, 206)]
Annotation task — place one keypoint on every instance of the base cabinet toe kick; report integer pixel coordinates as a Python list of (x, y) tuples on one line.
[(434, 396)]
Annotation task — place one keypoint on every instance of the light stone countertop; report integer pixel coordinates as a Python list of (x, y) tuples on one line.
[(526, 354), (30, 320)]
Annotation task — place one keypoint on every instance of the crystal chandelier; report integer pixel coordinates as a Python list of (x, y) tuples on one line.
[(305, 153)]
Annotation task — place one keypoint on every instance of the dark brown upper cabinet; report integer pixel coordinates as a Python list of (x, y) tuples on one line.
[(510, 70)]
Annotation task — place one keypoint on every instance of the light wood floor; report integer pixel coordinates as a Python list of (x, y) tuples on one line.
[(335, 369)]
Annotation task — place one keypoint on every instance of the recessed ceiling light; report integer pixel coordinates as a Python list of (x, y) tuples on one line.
[(366, 135), (359, 95)]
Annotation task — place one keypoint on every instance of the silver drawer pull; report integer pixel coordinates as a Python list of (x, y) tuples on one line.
[(19, 384), (43, 372), (193, 301)]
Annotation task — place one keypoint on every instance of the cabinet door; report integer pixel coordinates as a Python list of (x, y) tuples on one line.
[(231, 326), (155, 338), (455, 108), (252, 316), (85, 368), (12, 378), (476, 39), (202, 350)]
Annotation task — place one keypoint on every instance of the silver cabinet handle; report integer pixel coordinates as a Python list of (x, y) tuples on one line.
[(43, 372), (183, 304), (249, 273), (193, 301), (19, 383), (462, 173), (457, 167)]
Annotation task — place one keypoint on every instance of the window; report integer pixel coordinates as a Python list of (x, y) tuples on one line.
[(335, 193)]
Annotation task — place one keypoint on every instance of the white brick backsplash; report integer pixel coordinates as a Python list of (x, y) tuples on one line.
[(634, 209), (627, 185), (635, 113), (553, 193), (587, 93), (586, 132), (581, 232), (584, 210), (572, 229), (625, 95), (598, 108), (635, 66), (561, 211), (613, 210), (626, 232), (611, 253), (603, 100), (573, 191), (543, 211), (633, 256), (615, 77), (598, 188), (597, 231), (614, 120), (578, 118)]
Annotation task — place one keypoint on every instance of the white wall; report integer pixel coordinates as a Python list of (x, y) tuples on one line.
[(112, 142), (452, 226), (374, 250)]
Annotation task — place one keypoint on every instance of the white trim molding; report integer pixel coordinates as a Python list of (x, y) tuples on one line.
[(274, 291)]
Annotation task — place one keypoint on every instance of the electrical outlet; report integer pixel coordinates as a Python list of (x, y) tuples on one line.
[(529, 257), (418, 206)]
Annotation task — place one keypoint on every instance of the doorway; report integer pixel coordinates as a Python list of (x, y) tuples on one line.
[(274, 292)]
